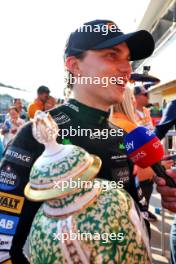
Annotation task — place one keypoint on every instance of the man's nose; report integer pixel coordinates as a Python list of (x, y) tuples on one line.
[(125, 69)]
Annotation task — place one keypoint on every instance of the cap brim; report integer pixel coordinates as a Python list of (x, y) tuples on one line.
[(140, 44), (141, 77), (49, 194)]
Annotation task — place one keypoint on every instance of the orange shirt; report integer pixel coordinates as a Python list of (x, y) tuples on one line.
[(144, 119), (33, 107), (122, 121)]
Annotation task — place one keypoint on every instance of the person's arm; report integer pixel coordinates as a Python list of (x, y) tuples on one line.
[(161, 130), (14, 175)]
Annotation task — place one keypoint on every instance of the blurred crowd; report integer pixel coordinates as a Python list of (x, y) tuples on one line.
[(17, 115)]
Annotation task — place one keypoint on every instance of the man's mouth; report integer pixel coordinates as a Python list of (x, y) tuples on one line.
[(121, 81)]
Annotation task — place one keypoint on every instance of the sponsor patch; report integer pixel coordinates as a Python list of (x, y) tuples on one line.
[(5, 242), (11, 203), (9, 180), (72, 106), (61, 118), (8, 224), (18, 156)]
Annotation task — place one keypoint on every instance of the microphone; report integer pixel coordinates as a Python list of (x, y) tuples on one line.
[(145, 149)]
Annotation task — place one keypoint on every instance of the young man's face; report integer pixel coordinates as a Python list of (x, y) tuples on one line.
[(111, 63), (18, 103), (142, 99), (43, 97)]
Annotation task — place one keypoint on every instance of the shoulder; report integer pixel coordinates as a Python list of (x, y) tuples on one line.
[(62, 114)]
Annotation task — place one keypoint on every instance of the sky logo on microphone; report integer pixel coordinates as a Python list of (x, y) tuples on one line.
[(156, 144), (129, 146), (140, 155)]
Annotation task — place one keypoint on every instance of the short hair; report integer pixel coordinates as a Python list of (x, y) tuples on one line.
[(43, 89)]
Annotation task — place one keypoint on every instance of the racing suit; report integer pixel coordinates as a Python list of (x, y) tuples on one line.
[(79, 125)]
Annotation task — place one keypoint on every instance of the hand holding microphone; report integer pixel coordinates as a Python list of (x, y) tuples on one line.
[(145, 149)]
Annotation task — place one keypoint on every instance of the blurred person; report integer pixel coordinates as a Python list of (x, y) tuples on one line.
[(11, 125), (142, 112), (50, 103), (143, 118), (155, 113), (155, 110), (39, 103), (17, 102), (95, 55), (164, 104)]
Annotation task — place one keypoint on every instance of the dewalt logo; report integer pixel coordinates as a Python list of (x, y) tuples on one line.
[(11, 203)]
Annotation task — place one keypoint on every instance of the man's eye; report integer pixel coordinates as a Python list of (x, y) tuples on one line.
[(111, 55)]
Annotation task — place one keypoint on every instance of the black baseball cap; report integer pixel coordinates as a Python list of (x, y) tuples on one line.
[(92, 36), (43, 89), (138, 90)]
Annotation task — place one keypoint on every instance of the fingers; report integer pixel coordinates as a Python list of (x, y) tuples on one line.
[(167, 163), (166, 191), (159, 181), (172, 173), (168, 194), (169, 199), (171, 206)]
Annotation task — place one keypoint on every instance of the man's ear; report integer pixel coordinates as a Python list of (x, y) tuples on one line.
[(72, 64)]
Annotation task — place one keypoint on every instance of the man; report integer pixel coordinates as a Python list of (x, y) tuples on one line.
[(39, 103), (88, 54), (142, 113)]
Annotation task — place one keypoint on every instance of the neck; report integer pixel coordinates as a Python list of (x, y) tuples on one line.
[(90, 100)]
